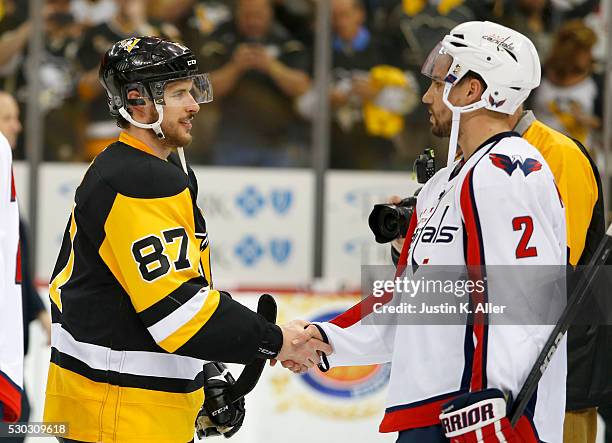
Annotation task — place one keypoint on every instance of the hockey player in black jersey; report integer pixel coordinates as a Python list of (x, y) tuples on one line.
[(135, 312)]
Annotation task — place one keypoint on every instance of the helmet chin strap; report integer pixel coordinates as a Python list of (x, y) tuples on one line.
[(456, 116), (155, 126), (181, 154)]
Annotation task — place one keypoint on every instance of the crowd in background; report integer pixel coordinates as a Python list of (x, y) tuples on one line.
[(260, 56)]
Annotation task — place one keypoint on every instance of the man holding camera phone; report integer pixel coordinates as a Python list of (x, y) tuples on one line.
[(456, 381)]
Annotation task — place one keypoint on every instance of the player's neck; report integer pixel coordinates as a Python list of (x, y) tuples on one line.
[(477, 129), (147, 136)]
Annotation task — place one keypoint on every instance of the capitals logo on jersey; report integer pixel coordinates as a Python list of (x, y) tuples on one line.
[(508, 164)]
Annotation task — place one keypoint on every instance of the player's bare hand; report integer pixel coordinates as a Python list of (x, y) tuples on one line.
[(301, 344), (294, 367), (394, 200)]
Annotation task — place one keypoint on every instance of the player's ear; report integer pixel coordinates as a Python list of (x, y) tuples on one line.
[(135, 98), (475, 89), (137, 104)]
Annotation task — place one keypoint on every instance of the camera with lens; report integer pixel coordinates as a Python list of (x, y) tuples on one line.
[(389, 222)]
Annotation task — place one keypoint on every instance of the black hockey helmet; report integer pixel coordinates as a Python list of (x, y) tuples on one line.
[(147, 64)]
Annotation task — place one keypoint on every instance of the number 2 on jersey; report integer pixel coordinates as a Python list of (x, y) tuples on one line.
[(151, 258), (522, 250)]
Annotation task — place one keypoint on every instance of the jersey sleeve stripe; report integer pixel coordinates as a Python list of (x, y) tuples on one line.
[(55, 288), (180, 316), (526, 429), (415, 415), (366, 306), (182, 335), (475, 260), (10, 398), (475, 250), (167, 305)]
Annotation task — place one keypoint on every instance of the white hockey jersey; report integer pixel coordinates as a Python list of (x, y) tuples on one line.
[(11, 315), (501, 207)]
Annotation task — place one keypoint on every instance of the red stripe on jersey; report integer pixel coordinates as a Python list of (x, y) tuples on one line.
[(525, 429), (468, 209), (10, 397), (18, 278), (13, 190), (475, 261), (427, 414), (366, 306)]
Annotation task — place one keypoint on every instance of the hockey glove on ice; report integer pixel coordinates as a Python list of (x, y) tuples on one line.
[(218, 415), (478, 417)]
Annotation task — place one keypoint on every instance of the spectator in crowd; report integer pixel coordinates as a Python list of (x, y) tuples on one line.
[(130, 20), (257, 70), (532, 18), (417, 25), (195, 18), (368, 96), (414, 27), (32, 305), (566, 98), (93, 12), (55, 71)]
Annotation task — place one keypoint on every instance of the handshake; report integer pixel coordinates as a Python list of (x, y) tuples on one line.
[(302, 347)]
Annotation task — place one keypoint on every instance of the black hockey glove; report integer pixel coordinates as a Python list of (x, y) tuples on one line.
[(219, 416)]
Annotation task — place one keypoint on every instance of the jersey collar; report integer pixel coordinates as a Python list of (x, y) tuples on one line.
[(491, 140), (496, 138), (527, 119), (132, 141)]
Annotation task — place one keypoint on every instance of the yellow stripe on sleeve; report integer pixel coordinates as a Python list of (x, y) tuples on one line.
[(55, 288)]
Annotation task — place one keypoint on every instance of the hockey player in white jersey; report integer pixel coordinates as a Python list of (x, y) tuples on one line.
[(500, 201), (11, 329)]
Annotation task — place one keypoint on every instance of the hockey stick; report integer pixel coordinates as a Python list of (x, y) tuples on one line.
[(266, 306), (574, 302)]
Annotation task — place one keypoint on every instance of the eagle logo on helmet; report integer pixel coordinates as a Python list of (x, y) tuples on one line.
[(494, 103), (129, 44)]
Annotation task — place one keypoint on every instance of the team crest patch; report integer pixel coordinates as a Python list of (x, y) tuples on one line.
[(508, 164), (128, 44), (494, 103)]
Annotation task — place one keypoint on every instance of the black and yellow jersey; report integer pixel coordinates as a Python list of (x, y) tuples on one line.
[(577, 182), (134, 311)]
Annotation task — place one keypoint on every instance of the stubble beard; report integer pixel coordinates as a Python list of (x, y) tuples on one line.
[(174, 137), (441, 130)]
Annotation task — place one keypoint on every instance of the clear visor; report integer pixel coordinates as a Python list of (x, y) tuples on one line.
[(182, 92), (437, 64)]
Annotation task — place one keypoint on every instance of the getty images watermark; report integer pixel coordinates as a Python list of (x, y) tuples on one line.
[(411, 288), (459, 295)]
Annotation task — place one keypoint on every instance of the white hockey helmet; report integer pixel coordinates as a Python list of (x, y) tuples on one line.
[(505, 59)]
